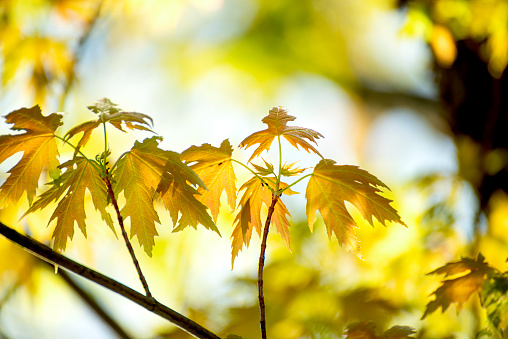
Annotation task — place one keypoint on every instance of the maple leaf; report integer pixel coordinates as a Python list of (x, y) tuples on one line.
[(276, 121), (139, 173), (264, 171), (458, 290), (367, 330), (80, 175), (331, 185), (180, 199), (108, 112), (288, 170), (39, 151), (256, 194), (213, 165)]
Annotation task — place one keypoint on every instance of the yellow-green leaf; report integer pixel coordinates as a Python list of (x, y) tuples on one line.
[(79, 176), (473, 274), (181, 200), (276, 121), (213, 165), (108, 112), (256, 194), (331, 185), (142, 171), (39, 151)]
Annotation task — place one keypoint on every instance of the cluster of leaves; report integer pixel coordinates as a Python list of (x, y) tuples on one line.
[(466, 277), (144, 174), (329, 186), (187, 184)]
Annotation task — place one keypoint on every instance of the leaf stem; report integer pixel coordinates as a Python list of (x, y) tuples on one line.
[(47, 254), (125, 237), (261, 265), (296, 182), (93, 163), (280, 165), (257, 175)]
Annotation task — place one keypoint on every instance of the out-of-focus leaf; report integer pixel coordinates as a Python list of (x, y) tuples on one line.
[(214, 167), (39, 151), (458, 290), (331, 185), (361, 330), (276, 121), (494, 297), (367, 330), (398, 332)]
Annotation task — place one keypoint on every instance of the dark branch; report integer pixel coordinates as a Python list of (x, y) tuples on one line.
[(93, 304), (261, 265), (44, 252)]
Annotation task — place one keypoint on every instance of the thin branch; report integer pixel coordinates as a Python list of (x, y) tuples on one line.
[(261, 297), (125, 237), (71, 77), (93, 304), (44, 252)]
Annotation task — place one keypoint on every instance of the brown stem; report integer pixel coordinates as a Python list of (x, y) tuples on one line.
[(47, 254), (125, 237), (261, 298)]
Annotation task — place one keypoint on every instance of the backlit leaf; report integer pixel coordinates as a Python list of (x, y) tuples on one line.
[(180, 200), (256, 194), (80, 175), (139, 173), (108, 112), (213, 165), (458, 290), (331, 185), (39, 151), (289, 170), (276, 121)]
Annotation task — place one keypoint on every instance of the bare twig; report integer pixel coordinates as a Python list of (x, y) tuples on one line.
[(125, 237), (261, 297), (44, 252), (71, 76), (93, 304)]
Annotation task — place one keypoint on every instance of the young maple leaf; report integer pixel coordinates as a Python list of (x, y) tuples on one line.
[(138, 174), (330, 185), (458, 290), (180, 199), (289, 170), (213, 165), (79, 176), (108, 112), (249, 216), (39, 151), (276, 121)]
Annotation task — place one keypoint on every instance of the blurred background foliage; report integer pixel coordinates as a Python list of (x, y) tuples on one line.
[(415, 92)]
